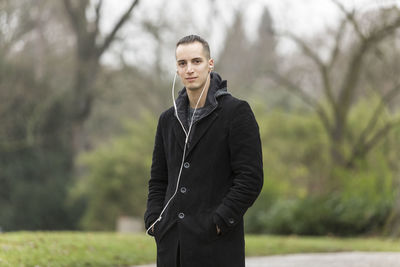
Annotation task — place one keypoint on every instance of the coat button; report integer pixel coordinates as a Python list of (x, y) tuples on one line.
[(181, 215), (186, 165), (231, 220), (183, 190)]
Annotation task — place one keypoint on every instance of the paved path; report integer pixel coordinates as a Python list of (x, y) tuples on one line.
[(340, 259)]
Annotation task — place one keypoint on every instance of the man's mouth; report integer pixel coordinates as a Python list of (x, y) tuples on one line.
[(191, 79)]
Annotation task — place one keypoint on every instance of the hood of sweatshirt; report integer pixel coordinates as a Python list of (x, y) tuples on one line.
[(217, 89)]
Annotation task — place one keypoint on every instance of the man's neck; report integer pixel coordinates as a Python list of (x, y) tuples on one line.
[(194, 96)]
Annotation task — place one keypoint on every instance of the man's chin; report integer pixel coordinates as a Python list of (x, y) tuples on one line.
[(192, 87)]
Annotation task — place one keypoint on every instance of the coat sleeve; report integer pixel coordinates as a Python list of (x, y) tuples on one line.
[(247, 168), (158, 179)]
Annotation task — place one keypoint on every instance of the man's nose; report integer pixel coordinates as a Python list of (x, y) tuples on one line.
[(189, 68)]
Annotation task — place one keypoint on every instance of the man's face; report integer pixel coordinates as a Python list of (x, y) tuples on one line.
[(193, 65)]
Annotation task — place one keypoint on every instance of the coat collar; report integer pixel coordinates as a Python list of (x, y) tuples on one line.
[(218, 88)]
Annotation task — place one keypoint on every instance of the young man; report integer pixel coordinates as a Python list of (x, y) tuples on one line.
[(206, 170)]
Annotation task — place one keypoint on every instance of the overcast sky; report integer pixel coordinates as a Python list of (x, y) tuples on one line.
[(303, 17)]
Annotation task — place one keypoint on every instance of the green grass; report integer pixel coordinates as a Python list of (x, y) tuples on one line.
[(272, 245), (75, 249), (113, 249)]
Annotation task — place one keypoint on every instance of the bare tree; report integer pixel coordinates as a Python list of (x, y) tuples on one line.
[(88, 52), (340, 92)]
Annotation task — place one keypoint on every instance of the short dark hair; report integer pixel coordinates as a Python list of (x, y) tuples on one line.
[(195, 38)]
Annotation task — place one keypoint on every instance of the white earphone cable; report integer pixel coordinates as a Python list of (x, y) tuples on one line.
[(187, 134)]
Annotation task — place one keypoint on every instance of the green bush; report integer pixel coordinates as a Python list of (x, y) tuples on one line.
[(305, 194), (116, 175), (323, 215)]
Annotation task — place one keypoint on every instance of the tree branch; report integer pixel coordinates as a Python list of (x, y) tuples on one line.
[(321, 66), (352, 76), (338, 40), (297, 90), (279, 79), (117, 26), (97, 19), (374, 118), (350, 17), (306, 49), (328, 88), (363, 150)]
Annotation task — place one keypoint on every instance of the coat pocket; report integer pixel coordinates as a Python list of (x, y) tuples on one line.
[(203, 227), (162, 228)]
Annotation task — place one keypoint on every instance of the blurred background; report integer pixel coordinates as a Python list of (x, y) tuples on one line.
[(82, 83)]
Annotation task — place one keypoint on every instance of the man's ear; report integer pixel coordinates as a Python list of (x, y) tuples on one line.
[(210, 65)]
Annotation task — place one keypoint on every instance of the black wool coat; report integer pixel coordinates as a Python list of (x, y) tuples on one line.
[(222, 175)]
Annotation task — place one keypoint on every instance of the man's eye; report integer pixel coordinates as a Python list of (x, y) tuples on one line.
[(197, 61), (181, 64)]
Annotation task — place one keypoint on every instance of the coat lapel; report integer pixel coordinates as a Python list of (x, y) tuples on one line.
[(179, 133), (200, 129)]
